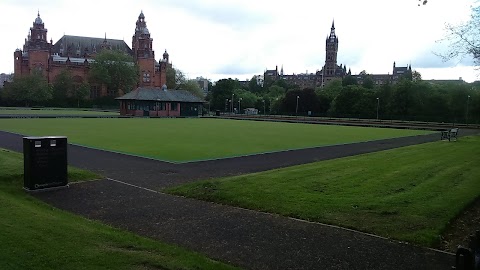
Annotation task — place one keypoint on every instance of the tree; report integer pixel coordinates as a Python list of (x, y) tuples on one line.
[(307, 101), (222, 92), (349, 80), (80, 92), (62, 85), (348, 101), (402, 100), (175, 78), (416, 76), (29, 89), (116, 70), (464, 39), (253, 86), (249, 99), (192, 87), (275, 91), (368, 82)]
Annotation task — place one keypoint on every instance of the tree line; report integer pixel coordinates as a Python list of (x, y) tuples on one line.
[(408, 99)]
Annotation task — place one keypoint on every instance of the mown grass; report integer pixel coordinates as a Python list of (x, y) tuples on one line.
[(35, 235), (408, 194), (182, 140)]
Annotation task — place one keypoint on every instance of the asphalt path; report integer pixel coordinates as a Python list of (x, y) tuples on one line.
[(129, 198)]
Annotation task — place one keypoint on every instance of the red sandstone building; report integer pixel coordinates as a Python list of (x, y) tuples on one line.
[(76, 53)]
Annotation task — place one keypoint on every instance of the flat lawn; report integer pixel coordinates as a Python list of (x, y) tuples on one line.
[(81, 112), (35, 235), (409, 193), (181, 140)]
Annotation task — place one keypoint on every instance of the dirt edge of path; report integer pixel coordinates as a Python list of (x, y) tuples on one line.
[(458, 231)]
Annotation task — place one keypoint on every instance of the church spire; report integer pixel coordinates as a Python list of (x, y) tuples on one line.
[(332, 31)]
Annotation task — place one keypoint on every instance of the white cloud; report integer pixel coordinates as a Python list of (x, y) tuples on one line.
[(217, 39)]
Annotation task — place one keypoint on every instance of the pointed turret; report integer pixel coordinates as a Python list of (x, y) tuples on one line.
[(38, 20), (37, 37), (332, 31), (165, 56)]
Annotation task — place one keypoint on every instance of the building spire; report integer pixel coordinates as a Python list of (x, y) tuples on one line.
[(38, 20), (332, 31)]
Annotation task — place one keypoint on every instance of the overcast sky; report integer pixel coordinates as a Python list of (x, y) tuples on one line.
[(240, 38)]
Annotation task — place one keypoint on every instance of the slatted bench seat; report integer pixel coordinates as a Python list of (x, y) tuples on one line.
[(449, 134)]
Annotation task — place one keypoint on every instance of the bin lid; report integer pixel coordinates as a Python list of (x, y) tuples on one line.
[(45, 137)]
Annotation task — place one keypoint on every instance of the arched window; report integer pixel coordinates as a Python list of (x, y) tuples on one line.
[(146, 77)]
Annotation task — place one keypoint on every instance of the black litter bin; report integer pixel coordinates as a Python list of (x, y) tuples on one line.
[(217, 112), (45, 162)]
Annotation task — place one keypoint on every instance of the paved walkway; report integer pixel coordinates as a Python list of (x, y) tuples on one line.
[(129, 199)]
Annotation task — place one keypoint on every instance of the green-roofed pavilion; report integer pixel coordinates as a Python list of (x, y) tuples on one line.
[(160, 102)]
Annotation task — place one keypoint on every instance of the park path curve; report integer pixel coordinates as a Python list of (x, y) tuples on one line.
[(129, 199)]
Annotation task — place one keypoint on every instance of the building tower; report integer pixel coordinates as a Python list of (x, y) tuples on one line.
[(143, 52), (165, 56), (331, 48), (36, 48)]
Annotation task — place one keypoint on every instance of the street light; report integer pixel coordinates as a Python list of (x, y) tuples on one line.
[(378, 105), (263, 100), (239, 106), (296, 109), (232, 102), (226, 104), (466, 120)]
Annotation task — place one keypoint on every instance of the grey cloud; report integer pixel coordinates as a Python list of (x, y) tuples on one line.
[(237, 69), (32, 4), (429, 59), (221, 13)]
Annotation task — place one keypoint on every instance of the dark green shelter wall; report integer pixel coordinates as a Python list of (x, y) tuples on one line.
[(190, 109)]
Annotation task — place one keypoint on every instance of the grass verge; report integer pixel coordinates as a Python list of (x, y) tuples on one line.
[(408, 194), (35, 235)]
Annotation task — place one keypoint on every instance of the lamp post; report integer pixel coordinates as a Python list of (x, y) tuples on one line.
[(296, 108), (263, 100), (232, 102), (226, 104), (378, 105), (466, 117), (239, 106)]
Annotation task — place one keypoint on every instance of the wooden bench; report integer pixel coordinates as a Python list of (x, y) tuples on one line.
[(449, 134)]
